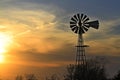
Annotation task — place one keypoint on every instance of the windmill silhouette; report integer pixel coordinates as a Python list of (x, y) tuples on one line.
[(80, 24)]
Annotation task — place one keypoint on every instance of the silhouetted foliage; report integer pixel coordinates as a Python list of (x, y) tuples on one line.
[(31, 77), (92, 70), (19, 77), (70, 72), (53, 77), (117, 77)]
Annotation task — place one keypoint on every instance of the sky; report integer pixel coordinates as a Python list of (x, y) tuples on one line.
[(36, 37)]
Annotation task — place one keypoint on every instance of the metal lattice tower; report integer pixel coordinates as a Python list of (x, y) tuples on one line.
[(80, 55), (79, 24)]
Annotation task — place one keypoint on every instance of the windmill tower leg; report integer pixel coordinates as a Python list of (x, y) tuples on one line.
[(80, 55)]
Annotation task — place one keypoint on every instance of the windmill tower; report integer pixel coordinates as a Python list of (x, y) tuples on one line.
[(80, 24)]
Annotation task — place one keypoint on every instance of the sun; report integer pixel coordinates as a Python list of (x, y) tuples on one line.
[(2, 58), (5, 41)]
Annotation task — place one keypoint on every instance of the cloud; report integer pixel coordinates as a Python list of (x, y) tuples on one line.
[(45, 28), (29, 25)]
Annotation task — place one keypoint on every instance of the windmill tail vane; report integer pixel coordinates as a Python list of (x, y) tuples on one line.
[(93, 24), (80, 24)]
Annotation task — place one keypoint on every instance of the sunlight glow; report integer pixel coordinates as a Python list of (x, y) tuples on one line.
[(5, 41), (1, 58)]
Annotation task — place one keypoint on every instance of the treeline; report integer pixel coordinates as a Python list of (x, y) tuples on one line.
[(92, 70), (27, 77)]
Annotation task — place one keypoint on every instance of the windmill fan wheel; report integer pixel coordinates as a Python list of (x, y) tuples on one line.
[(78, 23)]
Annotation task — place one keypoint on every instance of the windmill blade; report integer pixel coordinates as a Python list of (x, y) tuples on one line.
[(74, 19), (81, 30), (73, 29), (93, 24), (72, 22), (76, 30), (84, 17), (71, 26), (86, 25), (78, 16), (81, 16), (86, 20), (85, 29)]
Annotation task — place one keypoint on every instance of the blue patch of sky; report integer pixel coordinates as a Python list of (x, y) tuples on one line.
[(103, 9)]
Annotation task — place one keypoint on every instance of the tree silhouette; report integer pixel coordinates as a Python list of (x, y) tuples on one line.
[(31, 77), (92, 70), (53, 77), (19, 77), (70, 72), (117, 77)]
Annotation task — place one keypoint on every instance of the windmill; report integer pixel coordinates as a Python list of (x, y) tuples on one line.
[(80, 24)]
